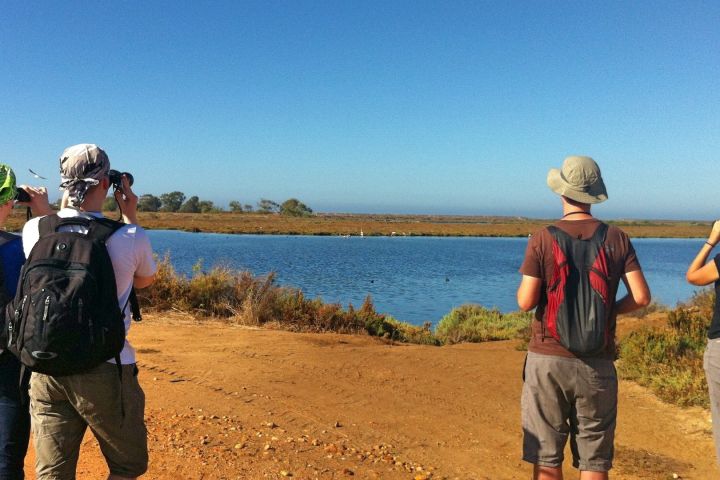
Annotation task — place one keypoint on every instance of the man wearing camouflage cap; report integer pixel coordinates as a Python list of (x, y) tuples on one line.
[(112, 405)]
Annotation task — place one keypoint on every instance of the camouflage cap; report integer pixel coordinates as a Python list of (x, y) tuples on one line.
[(81, 167)]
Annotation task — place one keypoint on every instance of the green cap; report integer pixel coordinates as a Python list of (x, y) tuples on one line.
[(8, 190)]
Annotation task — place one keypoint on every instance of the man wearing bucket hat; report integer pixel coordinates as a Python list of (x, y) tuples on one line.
[(14, 414), (106, 398), (571, 273)]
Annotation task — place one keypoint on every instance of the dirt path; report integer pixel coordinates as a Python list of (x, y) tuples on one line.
[(234, 403)]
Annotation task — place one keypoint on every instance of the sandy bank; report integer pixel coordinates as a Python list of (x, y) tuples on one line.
[(228, 403)]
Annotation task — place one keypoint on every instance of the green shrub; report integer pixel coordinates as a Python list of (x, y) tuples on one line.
[(669, 360), (475, 323)]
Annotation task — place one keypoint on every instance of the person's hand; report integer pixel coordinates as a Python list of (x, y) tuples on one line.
[(714, 237), (127, 201), (39, 203)]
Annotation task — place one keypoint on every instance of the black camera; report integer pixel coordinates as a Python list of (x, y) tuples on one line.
[(22, 195), (116, 178)]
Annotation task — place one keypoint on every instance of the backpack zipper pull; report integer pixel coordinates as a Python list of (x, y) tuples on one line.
[(80, 310), (20, 309), (47, 307)]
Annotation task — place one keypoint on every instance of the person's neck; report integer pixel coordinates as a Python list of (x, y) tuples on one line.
[(88, 207), (574, 213)]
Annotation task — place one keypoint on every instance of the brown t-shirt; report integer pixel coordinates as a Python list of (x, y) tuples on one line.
[(539, 263)]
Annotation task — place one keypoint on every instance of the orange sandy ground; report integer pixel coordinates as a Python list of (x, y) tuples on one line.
[(226, 402)]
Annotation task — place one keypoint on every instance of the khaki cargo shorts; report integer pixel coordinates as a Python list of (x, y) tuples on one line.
[(569, 397), (63, 407)]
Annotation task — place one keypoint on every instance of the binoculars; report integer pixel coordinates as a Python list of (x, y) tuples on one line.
[(116, 178), (21, 195)]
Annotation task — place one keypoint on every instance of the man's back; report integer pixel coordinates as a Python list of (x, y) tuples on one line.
[(540, 263), (109, 397), (566, 396), (130, 253)]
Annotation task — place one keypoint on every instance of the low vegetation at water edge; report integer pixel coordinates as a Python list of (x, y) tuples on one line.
[(475, 323), (669, 360), (248, 300), (245, 299)]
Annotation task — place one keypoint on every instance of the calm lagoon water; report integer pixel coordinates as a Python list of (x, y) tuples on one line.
[(415, 279)]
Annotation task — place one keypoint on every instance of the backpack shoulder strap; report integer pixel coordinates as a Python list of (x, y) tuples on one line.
[(48, 224), (101, 229), (7, 237), (558, 233), (600, 233)]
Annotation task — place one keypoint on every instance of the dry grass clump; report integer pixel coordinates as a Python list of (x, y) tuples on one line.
[(248, 300), (475, 323), (669, 360)]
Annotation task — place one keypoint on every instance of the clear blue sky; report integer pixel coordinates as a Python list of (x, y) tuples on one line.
[(373, 106)]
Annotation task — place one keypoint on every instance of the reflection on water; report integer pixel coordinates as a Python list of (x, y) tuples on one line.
[(415, 279)]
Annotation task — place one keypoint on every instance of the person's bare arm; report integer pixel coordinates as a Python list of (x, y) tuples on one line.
[(528, 293), (701, 273), (638, 295), (142, 282)]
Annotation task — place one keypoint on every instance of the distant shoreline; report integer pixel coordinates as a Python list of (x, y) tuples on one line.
[(382, 225)]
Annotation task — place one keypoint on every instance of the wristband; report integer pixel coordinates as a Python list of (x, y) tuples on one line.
[(711, 245)]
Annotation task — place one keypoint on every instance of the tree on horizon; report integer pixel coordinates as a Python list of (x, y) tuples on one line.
[(171, 202), (149, 203), (295, 208), (191, 205), (268, 206)]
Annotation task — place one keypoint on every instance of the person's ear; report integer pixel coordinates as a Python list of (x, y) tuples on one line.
[(105, 183)]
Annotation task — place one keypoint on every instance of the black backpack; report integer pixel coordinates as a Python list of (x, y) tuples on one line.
[(579, 304), (65, 318)]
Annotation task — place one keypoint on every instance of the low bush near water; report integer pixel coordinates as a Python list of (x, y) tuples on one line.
[(475, 323), (245, 299), (669, 360), (248, 300)]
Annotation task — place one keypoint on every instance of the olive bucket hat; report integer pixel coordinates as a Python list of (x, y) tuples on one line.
[(578, 179)]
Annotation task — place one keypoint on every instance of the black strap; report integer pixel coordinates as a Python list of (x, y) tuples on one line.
[(99, 229), (48, 224), (120, 375), (7, 237), (599, 234), (135, 306)]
